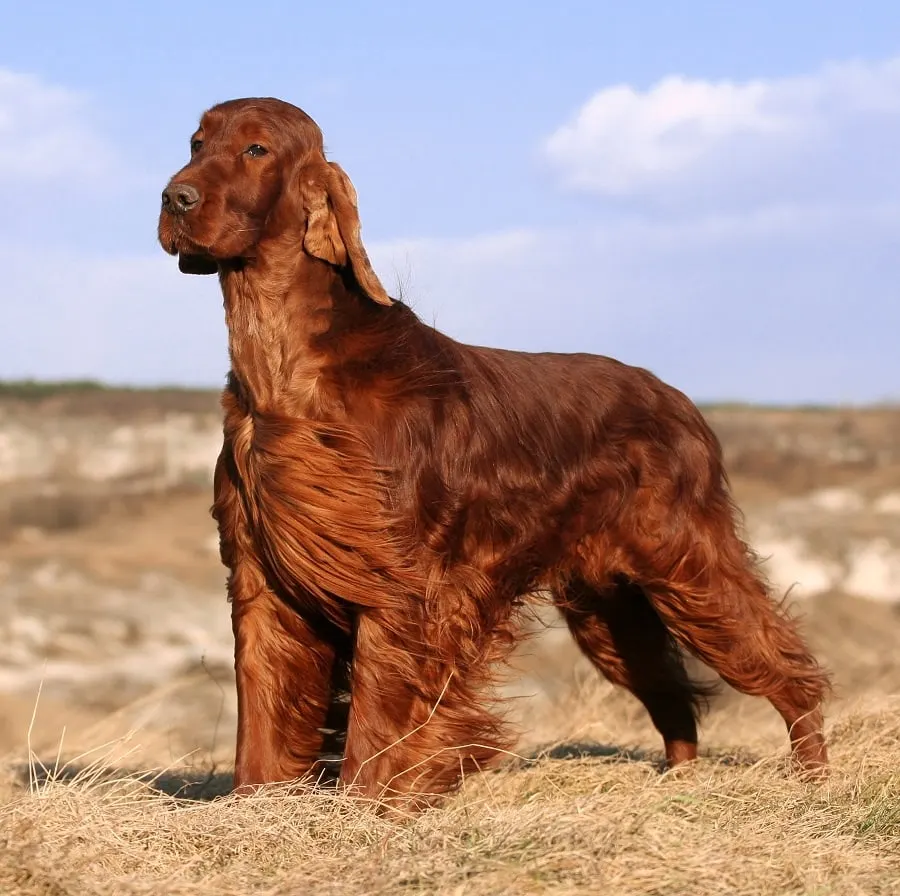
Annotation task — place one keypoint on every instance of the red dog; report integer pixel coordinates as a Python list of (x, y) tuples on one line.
[(385, 496)]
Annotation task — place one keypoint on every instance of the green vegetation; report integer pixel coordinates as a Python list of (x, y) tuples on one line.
[(38, 389)]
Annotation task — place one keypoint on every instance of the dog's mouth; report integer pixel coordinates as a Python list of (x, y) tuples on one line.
[(179, 238), (192, 257)]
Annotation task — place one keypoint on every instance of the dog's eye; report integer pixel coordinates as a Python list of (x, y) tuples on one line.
[(255, 150)]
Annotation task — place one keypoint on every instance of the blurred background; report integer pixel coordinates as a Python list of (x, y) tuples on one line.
[(708, 190)]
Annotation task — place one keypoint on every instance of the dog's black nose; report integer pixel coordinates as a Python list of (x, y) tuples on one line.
[(180, 198)]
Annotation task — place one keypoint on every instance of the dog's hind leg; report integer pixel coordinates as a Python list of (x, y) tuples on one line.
[(705, 588), (622, 635)]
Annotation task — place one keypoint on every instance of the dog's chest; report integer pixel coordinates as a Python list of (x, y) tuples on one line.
[(315, 508)]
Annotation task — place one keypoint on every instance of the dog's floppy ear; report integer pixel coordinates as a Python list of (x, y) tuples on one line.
[(197, 264), (332, 225)]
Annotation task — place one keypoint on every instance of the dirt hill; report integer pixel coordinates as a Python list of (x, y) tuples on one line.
[(113, 608)]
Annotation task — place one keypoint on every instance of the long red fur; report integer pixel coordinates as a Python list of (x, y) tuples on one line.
[(387, 497)]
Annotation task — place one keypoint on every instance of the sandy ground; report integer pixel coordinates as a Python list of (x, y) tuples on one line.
[(117, 652), (127, 613)]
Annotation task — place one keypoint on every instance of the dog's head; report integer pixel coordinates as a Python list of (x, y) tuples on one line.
[(258, 175)]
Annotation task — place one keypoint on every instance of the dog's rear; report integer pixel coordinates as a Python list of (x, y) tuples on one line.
[(600, 482)]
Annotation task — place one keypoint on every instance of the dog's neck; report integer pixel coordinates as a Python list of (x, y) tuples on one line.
[(286, 320)]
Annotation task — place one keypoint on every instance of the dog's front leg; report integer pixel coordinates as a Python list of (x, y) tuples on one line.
[(416, 725), (381, 708), (283, 668), (283, 664)]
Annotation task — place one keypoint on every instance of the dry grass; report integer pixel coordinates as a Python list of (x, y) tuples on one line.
[(592, 815), (581, 824)]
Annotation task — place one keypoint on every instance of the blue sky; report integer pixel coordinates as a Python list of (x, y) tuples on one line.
[(710, 190)]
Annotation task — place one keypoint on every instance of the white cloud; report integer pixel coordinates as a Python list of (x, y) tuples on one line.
[(755, 257), (790, 303), (128, 318), (46, 132), (781, 304), (694, 132), (443, 278)]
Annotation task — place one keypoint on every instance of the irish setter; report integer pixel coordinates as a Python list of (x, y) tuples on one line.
[(386, 497)]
